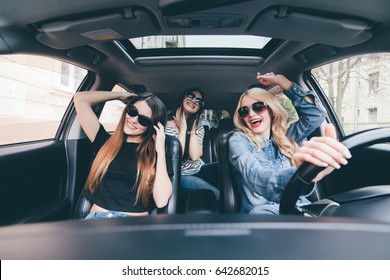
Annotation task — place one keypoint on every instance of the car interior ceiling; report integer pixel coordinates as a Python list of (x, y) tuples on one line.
[(51, 32)]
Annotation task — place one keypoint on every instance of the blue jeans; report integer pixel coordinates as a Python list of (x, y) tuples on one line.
[(103, 215), (206, 177), (272, 208)]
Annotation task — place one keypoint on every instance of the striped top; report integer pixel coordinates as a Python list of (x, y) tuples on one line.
[(188, 166)]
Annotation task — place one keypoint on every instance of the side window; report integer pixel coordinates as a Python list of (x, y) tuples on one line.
[(358, 88), (112, 112), (286, 103), (35, 92)]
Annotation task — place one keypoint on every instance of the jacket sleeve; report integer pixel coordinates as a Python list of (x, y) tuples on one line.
[(310, 115)]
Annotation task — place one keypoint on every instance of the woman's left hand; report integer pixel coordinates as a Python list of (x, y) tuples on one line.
[(159, 138), (126, 96), (323, 151)]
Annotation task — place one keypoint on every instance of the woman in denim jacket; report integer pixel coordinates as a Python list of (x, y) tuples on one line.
[(264, 151)]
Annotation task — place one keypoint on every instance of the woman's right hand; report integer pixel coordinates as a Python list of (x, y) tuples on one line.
[(270, 79), (324, 151)]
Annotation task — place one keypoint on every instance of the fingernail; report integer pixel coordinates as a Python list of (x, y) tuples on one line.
[(344, 161), (337, 166), (347, 154)]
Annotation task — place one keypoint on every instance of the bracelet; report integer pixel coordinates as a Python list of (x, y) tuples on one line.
[(193, 132)]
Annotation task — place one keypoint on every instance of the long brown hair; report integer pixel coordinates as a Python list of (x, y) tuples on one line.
[(279, 125), (192, 118), (145, 152)]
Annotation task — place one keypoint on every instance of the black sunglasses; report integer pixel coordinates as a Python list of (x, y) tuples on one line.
[(197, 100), (132, 111), (257, 107)]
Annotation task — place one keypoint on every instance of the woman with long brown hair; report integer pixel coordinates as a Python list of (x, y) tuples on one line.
[(264, 150), (128, 176), (186, 126)]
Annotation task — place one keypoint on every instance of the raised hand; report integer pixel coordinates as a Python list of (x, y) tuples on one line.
[(270, 79), (159, 138), (125, 96)]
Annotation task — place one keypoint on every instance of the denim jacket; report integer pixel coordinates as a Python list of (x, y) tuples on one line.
[(264, 173)]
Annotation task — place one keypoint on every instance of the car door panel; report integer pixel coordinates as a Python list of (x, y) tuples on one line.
[(32, 179)]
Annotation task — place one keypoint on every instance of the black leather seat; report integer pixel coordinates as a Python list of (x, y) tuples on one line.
[(209, 153), (213, 138), (173, 159), (83, 206), (230, 198)]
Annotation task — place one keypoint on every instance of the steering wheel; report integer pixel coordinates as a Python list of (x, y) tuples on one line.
[(301, 182)]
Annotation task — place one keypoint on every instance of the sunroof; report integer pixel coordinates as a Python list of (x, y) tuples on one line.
[(200, 41)]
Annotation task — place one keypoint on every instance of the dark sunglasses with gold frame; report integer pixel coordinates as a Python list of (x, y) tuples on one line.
[(257, 107), (132, 111), (198, 101)]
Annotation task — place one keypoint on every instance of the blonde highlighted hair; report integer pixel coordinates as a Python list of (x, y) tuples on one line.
[(145, 152), (279, 125)]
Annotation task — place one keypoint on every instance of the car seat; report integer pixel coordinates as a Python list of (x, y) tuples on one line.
[(209, 150), (230, 198)]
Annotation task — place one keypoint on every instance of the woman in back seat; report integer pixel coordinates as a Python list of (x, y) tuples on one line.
[(185, 125)]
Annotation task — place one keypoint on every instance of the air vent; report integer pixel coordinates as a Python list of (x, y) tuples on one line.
[(86, 54), (205, 21), (180, 7), (314, 53)]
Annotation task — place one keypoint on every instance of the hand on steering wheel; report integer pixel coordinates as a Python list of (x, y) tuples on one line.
[(324, 152), (309, 172)]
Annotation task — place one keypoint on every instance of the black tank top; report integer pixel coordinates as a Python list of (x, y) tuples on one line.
[(117, 192)]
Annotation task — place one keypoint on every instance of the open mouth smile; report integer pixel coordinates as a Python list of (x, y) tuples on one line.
[(256, 122)]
